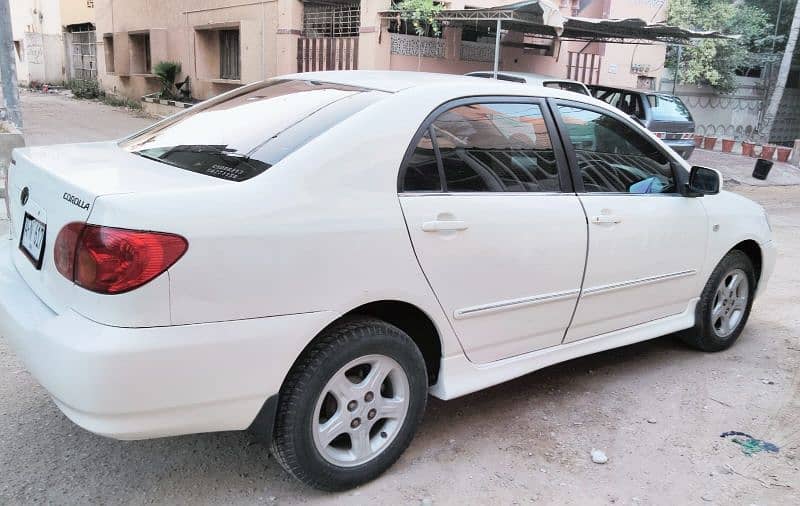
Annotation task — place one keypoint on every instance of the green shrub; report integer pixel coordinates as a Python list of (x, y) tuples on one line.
[(121, 101), (85, 89), (167, 72)]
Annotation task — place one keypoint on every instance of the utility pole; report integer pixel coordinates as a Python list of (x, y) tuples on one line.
[(768, 119), (677, 73), (8, 66), (777, 20)]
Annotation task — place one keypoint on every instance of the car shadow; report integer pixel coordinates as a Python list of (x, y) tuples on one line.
[(218, 466)]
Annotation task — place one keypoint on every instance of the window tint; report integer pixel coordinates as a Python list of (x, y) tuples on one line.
[(566, 86), (496, 147), (422, 171), (667, 108), (609, 96), (513, 79), (613, 157), (239, 135), (501, 77), (631, 104)]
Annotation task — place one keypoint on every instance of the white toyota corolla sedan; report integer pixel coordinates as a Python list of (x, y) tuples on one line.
[(310, 256)]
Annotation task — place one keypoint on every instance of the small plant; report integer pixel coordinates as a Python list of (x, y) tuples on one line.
[(85, 88), (167, 72), (121, 101), (421, 13)]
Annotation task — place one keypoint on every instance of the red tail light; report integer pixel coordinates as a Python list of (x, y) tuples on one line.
[(114, 260)]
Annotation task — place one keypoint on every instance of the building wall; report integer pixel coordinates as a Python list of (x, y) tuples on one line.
[(617, 60), (736, 115), (39, 43), (77, 12), (181, 30)]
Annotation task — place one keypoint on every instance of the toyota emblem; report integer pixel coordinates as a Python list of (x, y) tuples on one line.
[(23, 197)]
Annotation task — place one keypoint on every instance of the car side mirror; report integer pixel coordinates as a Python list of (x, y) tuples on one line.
[(703, 181)]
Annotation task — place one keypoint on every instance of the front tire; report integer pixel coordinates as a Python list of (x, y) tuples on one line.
[(351, 404), (724, 305)]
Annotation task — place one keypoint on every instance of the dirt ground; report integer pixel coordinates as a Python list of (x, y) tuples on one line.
[(657, 409)]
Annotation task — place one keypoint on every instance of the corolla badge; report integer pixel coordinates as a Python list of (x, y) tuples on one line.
[(72, 199), (24, 196)]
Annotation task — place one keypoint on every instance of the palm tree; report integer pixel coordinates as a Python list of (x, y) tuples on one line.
[(777, 94)]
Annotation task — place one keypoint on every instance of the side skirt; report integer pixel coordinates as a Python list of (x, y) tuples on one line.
[(458, 376)]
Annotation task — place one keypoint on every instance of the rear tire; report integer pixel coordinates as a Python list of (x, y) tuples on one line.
[(724, 305), (350, 405)]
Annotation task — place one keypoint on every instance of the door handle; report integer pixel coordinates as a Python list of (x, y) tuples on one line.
[(605, 218), (444, 225)]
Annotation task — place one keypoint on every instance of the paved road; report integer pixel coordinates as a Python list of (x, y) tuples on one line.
[(526, 441), (53, 119)]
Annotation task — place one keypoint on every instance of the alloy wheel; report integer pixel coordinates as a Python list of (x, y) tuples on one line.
[(730, 302), (360, 410)]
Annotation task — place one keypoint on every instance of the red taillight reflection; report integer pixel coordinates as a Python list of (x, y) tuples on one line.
[(64, 249), (114, 260), (660, 135)]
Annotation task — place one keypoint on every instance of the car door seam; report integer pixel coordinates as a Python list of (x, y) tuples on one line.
[(585, 268), (425, 275)]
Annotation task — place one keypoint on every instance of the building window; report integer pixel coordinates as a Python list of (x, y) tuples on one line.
[(108, 50), (229, 55), (18, 49), (140, 53), (584, 67), (331, 20)]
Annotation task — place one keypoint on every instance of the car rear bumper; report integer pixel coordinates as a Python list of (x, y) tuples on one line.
[(138, 383)]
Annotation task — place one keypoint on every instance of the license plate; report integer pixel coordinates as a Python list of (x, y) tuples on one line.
[(32, 241)]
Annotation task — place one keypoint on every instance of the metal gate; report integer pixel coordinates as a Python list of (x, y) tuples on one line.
[(83, 55), (330, 36), (327, 53)]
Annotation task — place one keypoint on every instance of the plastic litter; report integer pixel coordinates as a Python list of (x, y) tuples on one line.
[(749, 444)]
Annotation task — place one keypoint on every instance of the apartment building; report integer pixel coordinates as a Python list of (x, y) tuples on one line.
[(43, 40), (222, 44)]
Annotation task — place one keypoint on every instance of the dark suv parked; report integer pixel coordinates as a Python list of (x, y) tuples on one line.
[(663, 114)]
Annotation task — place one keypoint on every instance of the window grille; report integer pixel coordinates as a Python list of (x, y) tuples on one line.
[(325, 20), (229, 54)]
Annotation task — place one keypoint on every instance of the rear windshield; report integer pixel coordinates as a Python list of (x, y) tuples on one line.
[(567, 86), (668, 108), (241, 134)]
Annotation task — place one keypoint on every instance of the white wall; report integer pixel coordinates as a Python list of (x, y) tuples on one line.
[(36, 27)]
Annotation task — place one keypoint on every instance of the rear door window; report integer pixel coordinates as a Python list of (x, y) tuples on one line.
[(486, 147), (668, 108), (239, 135), (566, 86)]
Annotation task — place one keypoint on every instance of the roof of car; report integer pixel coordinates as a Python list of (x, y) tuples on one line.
[(528, 76), (395, 81), (641, 91), (383, 80)]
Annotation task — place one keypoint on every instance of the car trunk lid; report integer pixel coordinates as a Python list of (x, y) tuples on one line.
[(60, 185)]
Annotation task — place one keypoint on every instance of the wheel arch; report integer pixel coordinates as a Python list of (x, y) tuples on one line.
[(753, 251), (413, 321), (406, 316)]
